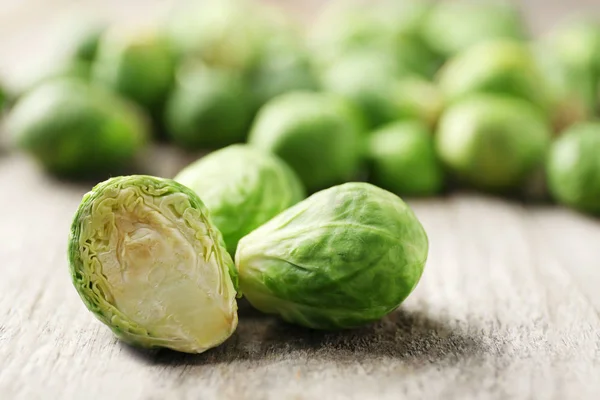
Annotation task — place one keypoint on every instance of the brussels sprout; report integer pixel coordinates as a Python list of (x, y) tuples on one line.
[(208, 108), (317, 134), (137, 64), (283, 66), (148, 262), (451, 27), (567, 103), (499, 66), (75, 129), (374, 83), (492, 142), (243, 188), (577, 47), (403, 160), (223, 33), (359, 27), (344, 257), (86, 42), (573, 168)]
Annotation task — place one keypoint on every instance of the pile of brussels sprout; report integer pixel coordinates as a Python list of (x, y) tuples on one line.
[(371, 102)]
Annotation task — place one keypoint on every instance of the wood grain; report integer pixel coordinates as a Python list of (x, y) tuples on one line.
[(508, 307)]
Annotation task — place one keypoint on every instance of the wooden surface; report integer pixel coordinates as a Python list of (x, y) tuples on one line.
[(508, 307)]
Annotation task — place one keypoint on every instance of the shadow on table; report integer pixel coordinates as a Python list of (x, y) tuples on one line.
[(410, 336)]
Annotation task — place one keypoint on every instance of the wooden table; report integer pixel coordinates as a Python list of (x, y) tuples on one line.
[(508, 307)]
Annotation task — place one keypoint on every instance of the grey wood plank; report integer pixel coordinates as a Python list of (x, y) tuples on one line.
[(501, 312)]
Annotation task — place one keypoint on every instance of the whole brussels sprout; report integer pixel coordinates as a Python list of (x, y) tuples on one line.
[(403, 160), (568, 104), (499, 66), (492, 142), (346, 28), (383, 94), (226, 34), (139, 64), (242, 188), (452, 27), (573, 167), (344, 257), (576, 45), (75, 129), (283, 66), (146, 259), (318, 134), (208, 108)]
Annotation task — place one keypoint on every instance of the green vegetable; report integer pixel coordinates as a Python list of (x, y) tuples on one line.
[(403, 160), (499, 66), (568, 104), (346, 28), (573, 168), (75, 129), (492, 142), (243, 188), (86, 43), (576, 45), (137, 64), (318, 134), (208, 108), (384, 93), (148, 262), (226, 34), (453, 26), (344, 257), (283, 66)]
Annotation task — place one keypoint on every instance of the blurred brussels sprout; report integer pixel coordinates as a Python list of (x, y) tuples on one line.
[(139, 64), (349, 27), (283, 66), (318, 134), (374, 83), (576, 45), (499, 66), (74, 129), (208, 108), (223, 33), (86, 41), (568, 105), (573, 168), (243, 188), (146, 259), (452, 27), (492, 142), (344, 257), (402, 159)]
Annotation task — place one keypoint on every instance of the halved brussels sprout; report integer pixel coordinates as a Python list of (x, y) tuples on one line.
[(208, 108), (493, 142), (139, 64), (403, 160), (243, 188), (318, 134), (344, 257), (453, 26), (498, 67), (147, 260), (75, 129), (573, 168)]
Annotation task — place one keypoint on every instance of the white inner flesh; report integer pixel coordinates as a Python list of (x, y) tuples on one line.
[(162, 272)]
